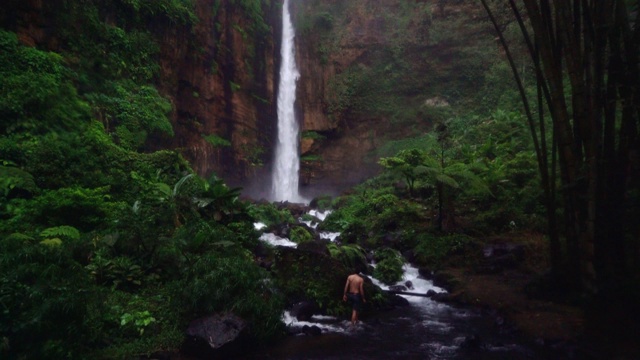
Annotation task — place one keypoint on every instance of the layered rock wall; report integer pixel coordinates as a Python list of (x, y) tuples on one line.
[(222, 84)]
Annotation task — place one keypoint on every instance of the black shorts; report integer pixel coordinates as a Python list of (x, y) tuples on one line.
[(356, 301)]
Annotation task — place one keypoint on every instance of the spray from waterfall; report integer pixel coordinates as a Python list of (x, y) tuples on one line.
[(287, 160)]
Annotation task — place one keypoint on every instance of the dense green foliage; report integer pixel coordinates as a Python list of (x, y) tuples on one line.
[(299, 235), (270, 215), (388, 265), (106, 252), (419, 54), (472, 178), (109, 252)]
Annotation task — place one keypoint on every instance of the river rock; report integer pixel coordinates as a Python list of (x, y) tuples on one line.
[(304, 310), (471, 342), (213, 336), (316, 247), (398, 301), (295, 209), (312, 330), (398, 288), (281, 230)]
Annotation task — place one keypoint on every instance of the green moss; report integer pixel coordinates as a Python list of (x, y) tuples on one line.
[(310, 158), (389, 264), (299, 235), (217, 141)]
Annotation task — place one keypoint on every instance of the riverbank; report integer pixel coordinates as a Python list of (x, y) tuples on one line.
[(506, 292)]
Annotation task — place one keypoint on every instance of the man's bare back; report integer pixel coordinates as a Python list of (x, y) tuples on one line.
[(354, 291), (354, 284)]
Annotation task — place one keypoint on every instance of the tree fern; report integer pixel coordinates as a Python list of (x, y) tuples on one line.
[(15, 178), (19, 237), (61, 231), (51, 242)]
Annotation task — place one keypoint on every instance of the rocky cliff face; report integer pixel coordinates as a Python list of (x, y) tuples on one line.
[(368, 71), (222, 84)]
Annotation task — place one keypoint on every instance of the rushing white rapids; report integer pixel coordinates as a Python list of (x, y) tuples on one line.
[(284, 184)]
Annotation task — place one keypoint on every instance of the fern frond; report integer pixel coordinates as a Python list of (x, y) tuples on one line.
[(19, 236), (51, 242), (12, 177), (447, 180), (64, 231), (164, 189), (181, 182)]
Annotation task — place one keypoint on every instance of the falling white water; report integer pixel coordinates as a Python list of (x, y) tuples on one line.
[(287, 162)]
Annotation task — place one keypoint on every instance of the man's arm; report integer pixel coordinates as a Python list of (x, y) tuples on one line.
[(346, 287), (362, 291)]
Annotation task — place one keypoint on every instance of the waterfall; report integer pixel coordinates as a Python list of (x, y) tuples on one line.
[(284, 185)]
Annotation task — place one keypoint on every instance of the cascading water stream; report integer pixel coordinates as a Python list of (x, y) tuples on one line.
[(284, 185), (424, 329)]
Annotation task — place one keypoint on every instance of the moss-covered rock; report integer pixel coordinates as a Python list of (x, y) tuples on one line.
[(306, 275), (300, 234)]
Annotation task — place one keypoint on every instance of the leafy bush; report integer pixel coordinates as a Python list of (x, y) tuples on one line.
[(434, 251), (36, 94), (306, 275), (369, 217), (353, 257), (234, 283), (299, 235), (138, 323), (269, 214), (133, 112), (47, 299), (388, 267)]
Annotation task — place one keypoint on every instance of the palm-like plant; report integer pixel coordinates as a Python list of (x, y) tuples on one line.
[(216, 196)]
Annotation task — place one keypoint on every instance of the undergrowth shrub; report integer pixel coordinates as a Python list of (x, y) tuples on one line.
[(270, 215), (388, 267), (46, 297), (299, 235), (308, 275), (434, 251), (231, 283), (139, 323), (367, 218), (353, 257)]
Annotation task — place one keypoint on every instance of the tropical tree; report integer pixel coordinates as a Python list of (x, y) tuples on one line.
[(432, 168), (585, 57), (406, 163)]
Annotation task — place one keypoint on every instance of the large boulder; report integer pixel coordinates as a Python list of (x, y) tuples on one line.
[(317, 247), (304, 310), (214, 336)]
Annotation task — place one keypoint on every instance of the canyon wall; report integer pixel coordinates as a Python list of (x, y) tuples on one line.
[(369, 71), (222, 83)]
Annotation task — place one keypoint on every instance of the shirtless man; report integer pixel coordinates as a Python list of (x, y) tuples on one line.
[(354, 291)]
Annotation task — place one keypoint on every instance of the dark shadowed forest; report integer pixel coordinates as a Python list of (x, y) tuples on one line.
[(493, 145)]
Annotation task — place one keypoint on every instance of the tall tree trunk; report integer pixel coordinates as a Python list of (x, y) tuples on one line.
[(591, 44)]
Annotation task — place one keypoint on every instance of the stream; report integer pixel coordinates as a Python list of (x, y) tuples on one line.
[(425, 329)]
